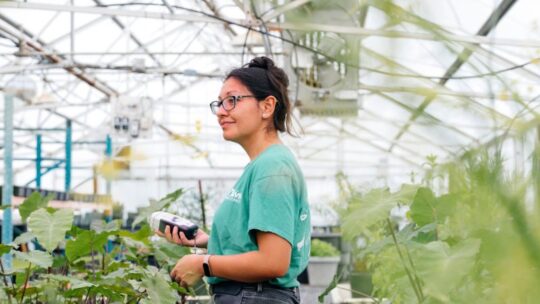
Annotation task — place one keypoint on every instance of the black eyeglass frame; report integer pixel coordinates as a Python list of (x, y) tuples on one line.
[(214, 105)]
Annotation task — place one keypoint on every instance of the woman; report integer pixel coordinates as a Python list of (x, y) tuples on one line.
[(260, 236)]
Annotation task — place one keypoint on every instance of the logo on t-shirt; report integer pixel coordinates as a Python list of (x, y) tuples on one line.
[(234, 195)]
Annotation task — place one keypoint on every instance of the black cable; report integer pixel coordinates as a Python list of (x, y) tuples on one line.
[(245, 45), (267, 44)]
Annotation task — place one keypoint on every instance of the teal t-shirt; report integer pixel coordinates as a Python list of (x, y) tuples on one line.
[(270, 196)]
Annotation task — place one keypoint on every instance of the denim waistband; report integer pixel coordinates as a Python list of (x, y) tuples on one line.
[(233, 287)]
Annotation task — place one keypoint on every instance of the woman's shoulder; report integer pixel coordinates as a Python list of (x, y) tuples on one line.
[(275, 154), (277, 160)]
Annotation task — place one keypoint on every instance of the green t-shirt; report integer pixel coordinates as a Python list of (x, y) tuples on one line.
[(270, 196)]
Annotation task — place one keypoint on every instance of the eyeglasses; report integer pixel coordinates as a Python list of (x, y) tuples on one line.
[(228, 103)]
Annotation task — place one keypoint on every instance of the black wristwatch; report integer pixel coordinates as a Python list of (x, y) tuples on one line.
[(206, 266)]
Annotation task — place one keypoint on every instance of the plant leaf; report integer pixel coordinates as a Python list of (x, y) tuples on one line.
[(101, 226), (50, 228), (330, 287), (74, 282), (36, 257), (140, 235), (442, 268), (403, 236), (426, 208), (157, 206), (158, 290), (32, 203), (85, 242), (423, 208), (373, 207), (3, 296), (4, 249), (23, 238)]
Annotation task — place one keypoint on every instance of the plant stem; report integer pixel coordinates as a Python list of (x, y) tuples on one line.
[(26, 281), (103, 261), (93, 262), (88, 295), (411, 280), (5, 279), (416, 278)]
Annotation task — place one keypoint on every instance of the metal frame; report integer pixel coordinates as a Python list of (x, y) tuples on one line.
[(271, 20)]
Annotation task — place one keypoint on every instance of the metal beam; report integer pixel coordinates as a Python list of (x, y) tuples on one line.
[(378, 147), (106, 11), (283, 9), (214, 10), (7, 189), (39, 45), (78, 29), (476, 39), (490, 23), (428, 82), (419, 136)]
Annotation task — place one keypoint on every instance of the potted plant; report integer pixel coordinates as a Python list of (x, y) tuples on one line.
[(323, 263), (360, 278)]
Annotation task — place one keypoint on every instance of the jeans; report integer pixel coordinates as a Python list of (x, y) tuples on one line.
[(256, 293)]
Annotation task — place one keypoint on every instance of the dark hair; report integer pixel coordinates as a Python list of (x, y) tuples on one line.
[(263, 78)]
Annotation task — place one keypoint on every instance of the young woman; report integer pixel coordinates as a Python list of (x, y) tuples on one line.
[(260, 237)]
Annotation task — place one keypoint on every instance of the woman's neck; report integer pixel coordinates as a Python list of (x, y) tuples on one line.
[(256, 145)]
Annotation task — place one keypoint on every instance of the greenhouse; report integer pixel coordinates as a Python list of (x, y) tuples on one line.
[(310, 151)]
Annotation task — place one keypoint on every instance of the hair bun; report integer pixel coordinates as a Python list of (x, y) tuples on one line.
[(261, 62)]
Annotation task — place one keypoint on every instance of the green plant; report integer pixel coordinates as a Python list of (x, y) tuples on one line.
[(321, 248), (476, 243), (104, 264)]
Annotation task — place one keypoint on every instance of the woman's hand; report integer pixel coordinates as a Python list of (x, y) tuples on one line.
[(176, 237), (188, 270)]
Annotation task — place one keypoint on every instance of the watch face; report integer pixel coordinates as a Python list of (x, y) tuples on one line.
[(206, 269)]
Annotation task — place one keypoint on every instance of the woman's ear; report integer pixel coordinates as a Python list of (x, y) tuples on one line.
[(268, 106)]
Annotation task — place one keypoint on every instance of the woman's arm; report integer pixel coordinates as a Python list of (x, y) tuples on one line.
[(272, 260)]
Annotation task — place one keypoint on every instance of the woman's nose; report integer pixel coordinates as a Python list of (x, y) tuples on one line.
[(221, 111)]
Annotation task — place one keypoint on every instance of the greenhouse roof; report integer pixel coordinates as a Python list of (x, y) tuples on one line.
[(381, 87)]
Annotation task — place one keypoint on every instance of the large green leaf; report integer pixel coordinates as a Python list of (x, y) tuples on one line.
[(140, 235), (168, 253), (403, 236), (442, 268), (39, 258), (32, 203), (423, 209), (373, 207), (50, 228), (86, 242), (426, 208), (158, 290), (157, 206), (75, 283)]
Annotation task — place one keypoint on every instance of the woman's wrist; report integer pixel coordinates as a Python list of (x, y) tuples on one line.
[(207, 270)]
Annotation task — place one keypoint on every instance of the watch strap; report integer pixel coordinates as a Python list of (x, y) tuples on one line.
[(206, 266)]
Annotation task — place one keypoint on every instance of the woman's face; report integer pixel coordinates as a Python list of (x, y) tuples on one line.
[(244, 121)]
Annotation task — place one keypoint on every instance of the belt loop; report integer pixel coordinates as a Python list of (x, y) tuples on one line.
[(259, 287)]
